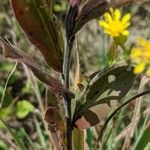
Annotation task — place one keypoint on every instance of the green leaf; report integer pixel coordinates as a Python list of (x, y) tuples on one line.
[(144, 139), (23, 109), (90, 138), (147, 147), (8, 111), (5, 112), (3, 146), (42, 139), (142, 130), (23, 132), (43, 31)]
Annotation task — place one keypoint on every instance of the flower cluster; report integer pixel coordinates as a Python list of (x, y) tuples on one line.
[(114, 24), (141, 56)]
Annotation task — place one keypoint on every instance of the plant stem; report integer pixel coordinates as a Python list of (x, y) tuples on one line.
[(69, 26), (66, 69), (66, 64)]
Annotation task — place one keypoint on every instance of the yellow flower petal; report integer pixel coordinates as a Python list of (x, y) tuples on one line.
[(144, 43), (103, 24), (136, 53), (139, 68), (126, 18), (117, 14), (112, 11), (113, 25), (148, 72), (126, 25), (115, 34), (141, 56), (107, 31), (125, 33), (108, 17)]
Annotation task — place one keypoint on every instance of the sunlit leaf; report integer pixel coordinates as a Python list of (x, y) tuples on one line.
[(23, 109), (6, 112)]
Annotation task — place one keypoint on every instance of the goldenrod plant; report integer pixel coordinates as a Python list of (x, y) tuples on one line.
[(72, 106)]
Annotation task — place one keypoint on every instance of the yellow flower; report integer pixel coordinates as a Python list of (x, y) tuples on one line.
[(141, 56), (114, 24)]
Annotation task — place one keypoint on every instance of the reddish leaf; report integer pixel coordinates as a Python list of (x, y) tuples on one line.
[(21, 57), (41, 29), (94, 115), (56, 127), (91, 9)]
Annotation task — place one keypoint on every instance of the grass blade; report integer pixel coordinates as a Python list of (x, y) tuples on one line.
[(16, 139)]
